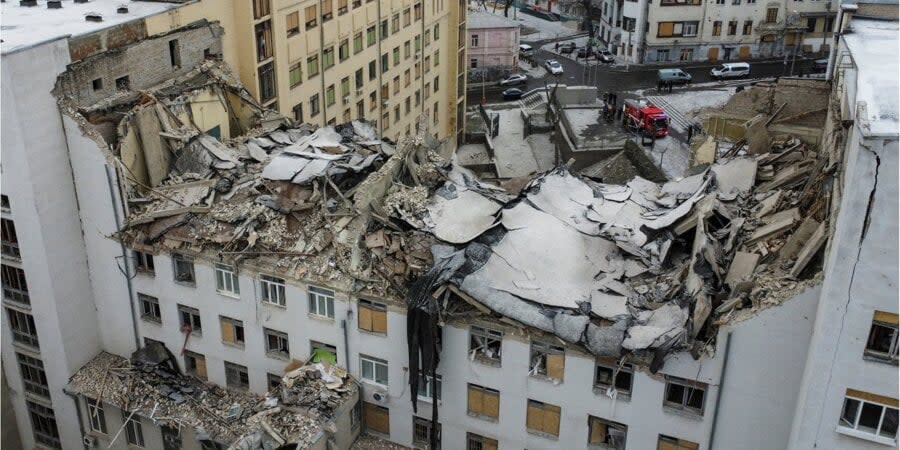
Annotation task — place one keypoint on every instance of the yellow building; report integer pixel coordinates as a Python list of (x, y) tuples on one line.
[(330, 61)]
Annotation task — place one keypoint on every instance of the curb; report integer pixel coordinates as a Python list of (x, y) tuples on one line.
[(695, 65)]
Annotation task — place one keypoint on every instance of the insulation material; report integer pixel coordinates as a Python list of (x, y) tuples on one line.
[(463, 217)]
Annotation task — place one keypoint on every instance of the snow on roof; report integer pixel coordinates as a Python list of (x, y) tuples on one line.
[(873, 46), (25, 26), (477, 20)]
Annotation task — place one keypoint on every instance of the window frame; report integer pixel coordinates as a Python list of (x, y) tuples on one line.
[(194, 357), (154, 315), (373, 308), (292, 23), (545, 409), (609, 424), (317, 294), (482, 391), (134, 429), (227, 275), (43, 424), (235, 324), (17, 292), (34, 376), (425, 385), (96, 415), (542, 350), (478, 442), (891, 356), (188, 262), (854, 430), (616, 370), (9, 239), (283, 351), (688, 387), (232, 370), (23, 329), (143, 262), (374, 364), (272, 290)]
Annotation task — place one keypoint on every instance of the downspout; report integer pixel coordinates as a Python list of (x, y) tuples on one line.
[(380, 70), (127, 264), (836, 38), (346, 341), (715, 419), (322, 63), (80, 420)]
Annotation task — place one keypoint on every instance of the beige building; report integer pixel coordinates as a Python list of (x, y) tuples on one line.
[(332, 61)]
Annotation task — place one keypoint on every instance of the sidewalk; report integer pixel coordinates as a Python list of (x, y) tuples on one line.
[(625, 67)]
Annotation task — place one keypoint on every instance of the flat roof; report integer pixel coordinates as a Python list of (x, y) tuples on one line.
[(479, 19), (873, 46), (26, 26)]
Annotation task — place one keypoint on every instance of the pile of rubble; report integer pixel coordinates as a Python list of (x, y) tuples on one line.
[(151, 386)]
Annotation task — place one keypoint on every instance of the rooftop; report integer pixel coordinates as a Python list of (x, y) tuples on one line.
[(25, 26), (478, 20), (874, 48)]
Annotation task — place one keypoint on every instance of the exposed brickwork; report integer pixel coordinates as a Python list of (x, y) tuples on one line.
[(125, 34), (84, 46)]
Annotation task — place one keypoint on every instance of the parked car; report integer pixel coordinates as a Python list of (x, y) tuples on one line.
[(512, 80), (820, 65), (673, 76), (525, 50), (554, 67), (566, 48), (512, 94), (730, 70), (585, 52), (605, 56)]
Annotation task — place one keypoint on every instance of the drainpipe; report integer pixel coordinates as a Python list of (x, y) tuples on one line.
[(78, 413), (712, 431), (836, 38), (346, 341), (323, 101), (380, 70), (128, 275)]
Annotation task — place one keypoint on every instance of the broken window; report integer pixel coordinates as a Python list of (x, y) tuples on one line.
[(123, 83), (272, 290), (97, 84), (869, 416), (190, 319), (671, 443), (311, 16), (9, 240), (273, 382), (426, 384), (149, 308), (372, 316), (96, 415), (547, 361), (236, 376), (685, 395), (377, 418), (373, 369), (227, 280), (184, 268), (606, 434), (292, 22), (267, 81), (232, 331), (24, 331), (298, 112), (882, 342), (195, 364), (422, 433), (134, 432), (611, 374), (143, 262), (542, 418), (321, 352), (478, 442), (33, 376), (174, 53), (43, 422), (483, 402), (15, 288), (276, 343), (485, 345), (321, 302)]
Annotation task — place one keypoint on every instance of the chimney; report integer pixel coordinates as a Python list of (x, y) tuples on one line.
[(54, 4)]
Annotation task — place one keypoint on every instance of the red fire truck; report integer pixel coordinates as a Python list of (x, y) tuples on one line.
[(643, 116)]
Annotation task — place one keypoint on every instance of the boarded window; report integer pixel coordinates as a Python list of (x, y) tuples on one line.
[(483, 402), (671, 443), (372, 316), (547, 361), (377, 418), (195, 364), (232, 331), (542, 418), (665, 29)]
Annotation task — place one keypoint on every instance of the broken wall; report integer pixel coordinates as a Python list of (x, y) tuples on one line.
[(146, 63)]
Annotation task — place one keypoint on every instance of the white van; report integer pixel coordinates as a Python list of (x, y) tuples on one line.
[(730, 70), (525, 50)]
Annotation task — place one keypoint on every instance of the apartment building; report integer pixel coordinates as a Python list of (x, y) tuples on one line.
[(493, 41), (723, 30), (328, 62)]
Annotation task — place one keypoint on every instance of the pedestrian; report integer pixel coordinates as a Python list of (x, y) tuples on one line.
[(659, 85), (557, 47), (669, 86)]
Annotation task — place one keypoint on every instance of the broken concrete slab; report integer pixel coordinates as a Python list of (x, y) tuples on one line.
[(812, 246), (741, 269)]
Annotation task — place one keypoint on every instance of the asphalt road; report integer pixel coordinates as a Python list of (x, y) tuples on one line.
[(615, 79)]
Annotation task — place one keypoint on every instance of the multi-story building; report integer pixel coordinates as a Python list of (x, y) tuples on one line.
[(696, 30), (493, 41)]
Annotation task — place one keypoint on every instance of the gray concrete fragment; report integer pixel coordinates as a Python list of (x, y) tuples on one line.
[(569, 327), (605, 341)]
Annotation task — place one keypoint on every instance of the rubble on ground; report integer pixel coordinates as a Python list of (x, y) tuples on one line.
[(150, 385)]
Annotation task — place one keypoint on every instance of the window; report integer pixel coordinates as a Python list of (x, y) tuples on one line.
[(373, 101), (360, 109), (358, 79), (609, 374), (377, 418), (195, 364), (295, 75), (606, 434), (422, 433), (717, 28), (232, 331), (396, 55), (483, 402), (314, 105), (687, 54), (882, 342), (272, 288), (9, 240), (407, 105), (436, 81), (23, 328), (685, 395), (344, 50), (427, 90), (771, 15), (356, 416), (342, 7), (748, 28), (97, 84), (292, 22), (311, 16), (357, 3), (628, 23), (829, 25), (437, 31), (4, 202), (427, 63), (372, 316), (184, 268), (174, 53), (677, 29), (123, 83), (33, 376), (671, 443), (397, 86), (437, 58), (418, 97), (396, 114), (298, 112), (679, 2), (190, 319), (434, 113), (370, 35), (97, 415), (143, 262), (373, 369), (869, 416), (427, 37), (474, 41), (267, 81), (43, 423), (373, 71), (386, 119), (276, 343), (227, 280), (263, 33), (321, 302), (134, 432), (542, 418), (385, 63), (149, 308), (328, 58), (417, 11), (384, 29), (417, 44), (395, 23), (426, 384), (407, 17), (345, 90), (322, 352), (273, 382), (15, 288), (478, 442), (260, 8), (732, 27), (236, 376), (357, 43), (547, 360)]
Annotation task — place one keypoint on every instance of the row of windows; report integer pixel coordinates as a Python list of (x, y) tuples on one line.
[(311, 17)]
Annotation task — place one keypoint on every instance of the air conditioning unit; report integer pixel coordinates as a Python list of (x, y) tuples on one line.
[(380, 396), (89, 441)]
